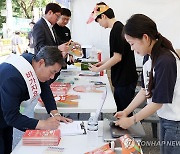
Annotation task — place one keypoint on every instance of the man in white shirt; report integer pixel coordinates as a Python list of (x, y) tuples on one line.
[(43, 33)]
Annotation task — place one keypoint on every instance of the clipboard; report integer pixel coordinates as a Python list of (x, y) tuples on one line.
[(72, 129)]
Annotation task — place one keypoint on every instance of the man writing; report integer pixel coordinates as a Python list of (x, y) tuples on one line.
[(22, 78)]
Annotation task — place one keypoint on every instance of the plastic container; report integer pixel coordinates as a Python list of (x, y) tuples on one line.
[(92, 131), (92, 138)]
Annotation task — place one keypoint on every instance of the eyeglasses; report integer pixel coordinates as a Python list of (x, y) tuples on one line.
[(57, 15)]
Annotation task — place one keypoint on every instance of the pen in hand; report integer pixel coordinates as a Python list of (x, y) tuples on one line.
[(54, 117), (51, 115)]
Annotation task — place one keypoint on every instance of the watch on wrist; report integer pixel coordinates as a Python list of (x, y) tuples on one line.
[(57, 114)]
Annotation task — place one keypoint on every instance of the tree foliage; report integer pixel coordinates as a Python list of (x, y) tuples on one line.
[(2, 7), (22, 8)]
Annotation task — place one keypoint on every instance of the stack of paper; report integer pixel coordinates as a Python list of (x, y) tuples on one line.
[(105, 149), (41, 137), (53, 150), (67, 101), (88, 73), (64, 101), (74, 128), (87, 88), (59, 88)]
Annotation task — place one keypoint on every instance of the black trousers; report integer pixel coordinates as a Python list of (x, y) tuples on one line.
[(6, 138), (123, 96)]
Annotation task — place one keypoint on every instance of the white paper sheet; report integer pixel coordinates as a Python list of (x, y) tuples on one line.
[(74, 128)]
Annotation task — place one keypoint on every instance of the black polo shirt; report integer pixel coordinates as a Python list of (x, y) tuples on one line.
[(63, 33), (124, 72)]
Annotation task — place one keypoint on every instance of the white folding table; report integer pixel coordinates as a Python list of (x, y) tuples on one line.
[(88, 102), (78, 144)]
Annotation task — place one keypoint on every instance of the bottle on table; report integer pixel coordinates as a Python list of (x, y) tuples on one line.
[(99, 57), (92, 131)]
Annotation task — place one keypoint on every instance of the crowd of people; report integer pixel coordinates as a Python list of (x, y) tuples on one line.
[(48, 51)]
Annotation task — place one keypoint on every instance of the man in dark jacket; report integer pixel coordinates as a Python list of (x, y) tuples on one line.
[(23, 82), (43, 31)]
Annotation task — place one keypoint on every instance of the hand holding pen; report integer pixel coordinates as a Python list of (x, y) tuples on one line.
[(59, 118), (50, 123)]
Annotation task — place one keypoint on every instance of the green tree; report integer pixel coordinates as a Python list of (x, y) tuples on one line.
[(2, 7), (22, 8)]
